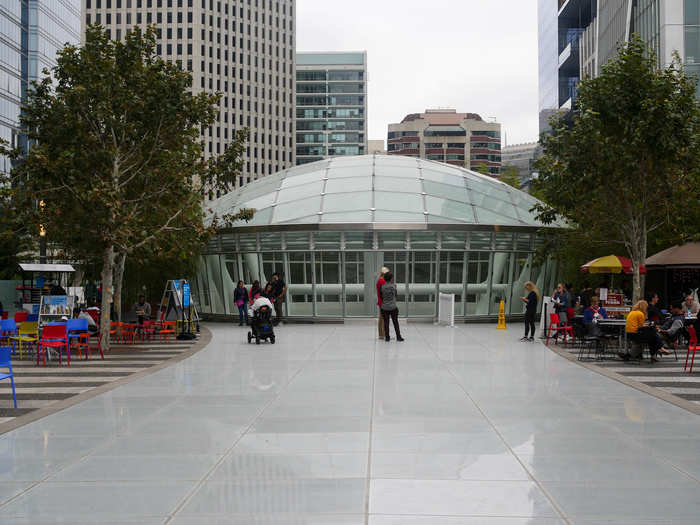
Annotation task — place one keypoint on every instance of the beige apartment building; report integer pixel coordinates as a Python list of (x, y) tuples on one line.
[(443, 135), (241, 48)]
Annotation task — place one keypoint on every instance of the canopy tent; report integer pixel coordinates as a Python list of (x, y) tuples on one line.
[(684, 256), (610, 264)]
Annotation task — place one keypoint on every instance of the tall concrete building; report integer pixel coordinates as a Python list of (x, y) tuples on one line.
[(577, 37), (31, 33), (522, 157), (241, 48), (461, 139), (331, 105)]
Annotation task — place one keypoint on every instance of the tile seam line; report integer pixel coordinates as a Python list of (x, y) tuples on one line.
[(546, 493), (371, 423), (35, 415), (200, 345), (652, 391), (200, 483)]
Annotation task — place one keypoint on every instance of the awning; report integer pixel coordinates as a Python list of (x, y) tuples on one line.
[(684, 256), (610, 264), (48, 268)]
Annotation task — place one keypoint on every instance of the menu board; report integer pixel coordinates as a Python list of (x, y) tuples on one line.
[(56, 305)]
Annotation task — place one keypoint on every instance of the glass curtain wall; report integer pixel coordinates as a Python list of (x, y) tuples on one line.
[(332, 274)]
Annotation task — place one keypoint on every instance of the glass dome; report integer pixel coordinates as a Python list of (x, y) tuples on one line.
[(376, 189)]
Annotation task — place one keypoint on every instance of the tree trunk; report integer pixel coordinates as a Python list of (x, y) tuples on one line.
[(638, 254), (118, 278), (107, 271)]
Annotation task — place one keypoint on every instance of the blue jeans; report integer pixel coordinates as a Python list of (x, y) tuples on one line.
[(243, 310)]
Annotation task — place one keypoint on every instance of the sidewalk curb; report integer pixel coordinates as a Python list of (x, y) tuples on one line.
[(204, 339), (655, 392)]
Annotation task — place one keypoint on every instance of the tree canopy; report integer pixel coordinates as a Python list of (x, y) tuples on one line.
[(624, 162), (117, 163)]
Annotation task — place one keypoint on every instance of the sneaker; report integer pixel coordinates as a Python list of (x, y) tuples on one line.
[(531, 339), (387, 338), (399, 338), (523, 339)]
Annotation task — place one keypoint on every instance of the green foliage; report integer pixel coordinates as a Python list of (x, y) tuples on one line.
[(625, 162), (481, 168), (117, 157), (511, 176)]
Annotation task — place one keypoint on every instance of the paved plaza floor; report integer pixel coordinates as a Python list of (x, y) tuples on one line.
[(329, 426)]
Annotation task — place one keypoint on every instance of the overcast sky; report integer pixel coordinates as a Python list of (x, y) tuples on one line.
[(473, 55)]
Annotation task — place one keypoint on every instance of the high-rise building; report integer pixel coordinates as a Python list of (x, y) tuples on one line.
[(577, 37), (331, 105), (461, 139), (522, 157), (244, 50), (30, 35)]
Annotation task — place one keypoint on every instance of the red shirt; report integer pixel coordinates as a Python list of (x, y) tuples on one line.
[(380, 282)]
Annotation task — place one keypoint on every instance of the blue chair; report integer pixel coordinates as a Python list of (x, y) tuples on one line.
[(5, 362), (76, 328), (32, 318), (8, 328)]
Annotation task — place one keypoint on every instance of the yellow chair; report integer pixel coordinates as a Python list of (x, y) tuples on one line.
[(28, 333)]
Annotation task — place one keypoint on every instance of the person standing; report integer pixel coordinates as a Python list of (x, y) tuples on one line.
[(381, 282), (241, 298), (530, 300), (279, 290), (389, 308), (255, 291), (142, 309)]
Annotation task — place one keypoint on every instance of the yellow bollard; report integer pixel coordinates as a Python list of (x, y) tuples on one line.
[(501, 316)]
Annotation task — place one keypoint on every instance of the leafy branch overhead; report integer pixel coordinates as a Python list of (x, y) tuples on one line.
[(117, 161), (624, 162)]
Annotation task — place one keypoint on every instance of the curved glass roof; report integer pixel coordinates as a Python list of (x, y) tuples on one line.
[(379, 189)]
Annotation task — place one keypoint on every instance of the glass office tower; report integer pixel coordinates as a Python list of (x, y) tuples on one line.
[(331, 105), (31, 33), (329, 227)]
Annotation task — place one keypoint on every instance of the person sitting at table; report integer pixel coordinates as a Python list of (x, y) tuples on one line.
[(691, 307), (83, 314), (673, 326), (595, 311), (142, 309), (637, 333), (655, 314)]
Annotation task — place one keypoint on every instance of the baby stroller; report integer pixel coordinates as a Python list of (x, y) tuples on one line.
[(261, 326)]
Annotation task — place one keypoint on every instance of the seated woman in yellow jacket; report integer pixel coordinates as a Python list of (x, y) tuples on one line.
[(636, 332)]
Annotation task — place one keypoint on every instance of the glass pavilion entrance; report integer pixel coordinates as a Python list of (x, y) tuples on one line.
[(333, 275)]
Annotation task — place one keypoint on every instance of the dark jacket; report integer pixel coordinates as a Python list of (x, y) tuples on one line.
[(563, 302), (389, 294), (531, 305), (240, 294)]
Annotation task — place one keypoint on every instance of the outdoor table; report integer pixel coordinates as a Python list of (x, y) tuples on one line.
[(616, 323)]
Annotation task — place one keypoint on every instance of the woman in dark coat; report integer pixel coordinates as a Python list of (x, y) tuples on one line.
[(530, 300), (240, 297)]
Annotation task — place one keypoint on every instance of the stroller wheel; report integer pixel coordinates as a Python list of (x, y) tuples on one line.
[(272, 339), (257, 340), (250, 337)]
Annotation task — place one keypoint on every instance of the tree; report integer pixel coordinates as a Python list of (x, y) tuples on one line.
[(625, 162), (511, 176), (482, 168), (117, 162)]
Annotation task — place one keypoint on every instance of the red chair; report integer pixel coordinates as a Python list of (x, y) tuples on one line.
[(130, 331), (20, 317), (53, 336), (692, 347), (148, 329), (556, 326), (87, 344), (4, 314)]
